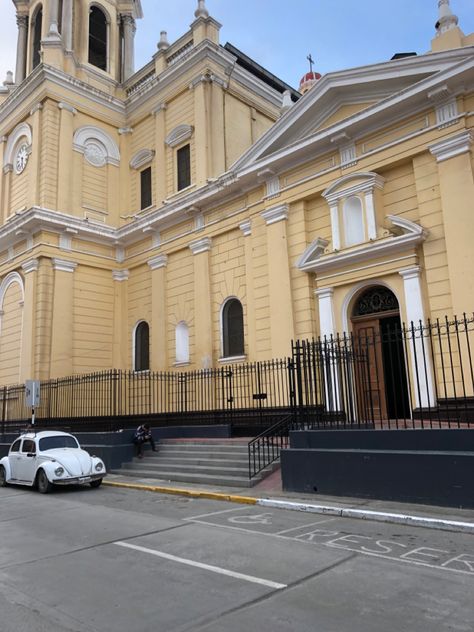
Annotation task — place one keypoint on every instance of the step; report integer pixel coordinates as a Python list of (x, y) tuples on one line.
[(228, 449), (229, 481), (197, 461), (194, 469)]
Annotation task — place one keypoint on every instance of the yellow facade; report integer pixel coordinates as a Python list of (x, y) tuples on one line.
[(365, 181)]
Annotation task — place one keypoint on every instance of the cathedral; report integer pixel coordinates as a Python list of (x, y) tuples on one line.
[(199, 212)]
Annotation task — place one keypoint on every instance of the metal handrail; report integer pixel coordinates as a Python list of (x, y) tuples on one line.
[(265, 449)]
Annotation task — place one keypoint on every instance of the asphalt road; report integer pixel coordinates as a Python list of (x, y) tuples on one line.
[(129, 561)]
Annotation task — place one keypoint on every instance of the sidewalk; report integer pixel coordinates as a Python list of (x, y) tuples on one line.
[(269, 493)]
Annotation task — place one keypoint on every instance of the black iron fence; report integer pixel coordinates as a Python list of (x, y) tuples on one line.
[(382, 375), (386, 375)]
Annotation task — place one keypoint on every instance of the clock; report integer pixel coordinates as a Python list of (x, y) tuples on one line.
[(21, 158)]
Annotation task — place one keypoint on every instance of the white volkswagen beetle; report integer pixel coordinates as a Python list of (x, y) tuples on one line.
[(49, 458)]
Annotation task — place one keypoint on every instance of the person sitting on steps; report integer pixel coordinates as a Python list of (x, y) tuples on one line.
[(141, 436)]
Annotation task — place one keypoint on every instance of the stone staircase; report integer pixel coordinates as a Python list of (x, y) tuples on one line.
[(203, 461)]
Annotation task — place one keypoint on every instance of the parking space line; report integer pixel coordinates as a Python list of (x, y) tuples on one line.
[(216, 513), (206, 567)]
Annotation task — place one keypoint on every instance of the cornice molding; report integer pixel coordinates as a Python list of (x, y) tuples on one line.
[(246, 228), (200, 245), (410, 273), (161, 261), (142, 158), (120, 275), (67, 108), (314, 261), (62, 265), (453, 146), (179, 135), (276, 214), (30, 266), (339, 190)]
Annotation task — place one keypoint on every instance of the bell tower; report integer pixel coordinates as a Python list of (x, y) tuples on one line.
[(80, 37)]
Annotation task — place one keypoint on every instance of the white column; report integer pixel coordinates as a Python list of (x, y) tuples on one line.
[(53, 13), (22, 21), (327, 325), (336, 233), (129, 29), (421, 365), (370, 215), (66, 24)]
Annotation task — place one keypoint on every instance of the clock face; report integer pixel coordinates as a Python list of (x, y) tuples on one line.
[(21, 159)]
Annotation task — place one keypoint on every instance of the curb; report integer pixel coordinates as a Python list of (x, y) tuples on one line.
[(357, 514)]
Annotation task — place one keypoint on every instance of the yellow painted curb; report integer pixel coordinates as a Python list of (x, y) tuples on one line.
[(176, 491)]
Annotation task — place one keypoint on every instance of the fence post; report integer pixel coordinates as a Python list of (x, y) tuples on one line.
[(4, 408)]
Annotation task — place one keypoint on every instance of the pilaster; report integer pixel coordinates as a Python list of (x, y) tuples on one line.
[(282, 327), (62, 363), (202, 301), (3, 179), (159, 357), (202, 141), (34, 160), (456, 182), (120, 337), (21, 50), (160, 153), (65, 160), (28, 338), (246, 228)]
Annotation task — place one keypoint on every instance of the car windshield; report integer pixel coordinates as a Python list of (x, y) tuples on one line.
[(59, 441)]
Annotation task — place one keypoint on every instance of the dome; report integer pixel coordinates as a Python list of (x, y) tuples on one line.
[(308, 81)]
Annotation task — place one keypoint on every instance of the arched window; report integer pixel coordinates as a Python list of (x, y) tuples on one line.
[(142, 347), (36, 26), (98, 38), (354, 231), (232, 329), (182, 342)]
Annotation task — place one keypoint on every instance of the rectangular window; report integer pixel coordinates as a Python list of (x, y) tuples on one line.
[(184, 167), (145, 181)]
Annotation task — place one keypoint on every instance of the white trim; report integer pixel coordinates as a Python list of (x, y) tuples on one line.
[(412, 236), (161, 261), (371, 181), (232, 359), (453, 146), (88, 134), (200, 245), (276, 214), (12, 277), (246, 228), (179, 135), (21, 131), (356, 289), (142, 158), (30, 266), (62, 265), (120, 275), (315, 249), (181, 334)]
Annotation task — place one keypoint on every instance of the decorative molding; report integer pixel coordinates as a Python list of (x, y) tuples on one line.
[(123, 131), (162, 107), (161, 261), (410, 273), (312, 252), (142, 158), (202, 78), (120, 254), (272, 182), (246, 228), (338, 190), (21, 131), (36, 108), (120, 275), (61, 265), (179, 135), (97, 146), (276, 214), (348, 155), (411, 235), (67, 108), (30, 266), (325, 292), (452, 146), (200, 245)]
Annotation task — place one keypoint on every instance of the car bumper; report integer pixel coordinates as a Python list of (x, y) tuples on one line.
[(78, 480)]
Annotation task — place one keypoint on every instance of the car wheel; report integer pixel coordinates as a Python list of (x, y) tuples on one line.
[(97, 483), (44, 486), (3, 477)]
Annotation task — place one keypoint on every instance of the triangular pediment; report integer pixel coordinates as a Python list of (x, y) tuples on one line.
[(350, 98)]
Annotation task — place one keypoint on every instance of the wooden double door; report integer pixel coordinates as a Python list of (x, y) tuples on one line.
[(380, 368)]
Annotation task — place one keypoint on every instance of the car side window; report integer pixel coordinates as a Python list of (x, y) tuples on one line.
[(16, 446), (28, 446)]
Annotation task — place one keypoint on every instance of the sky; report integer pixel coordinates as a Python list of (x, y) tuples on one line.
[(279, 34)]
